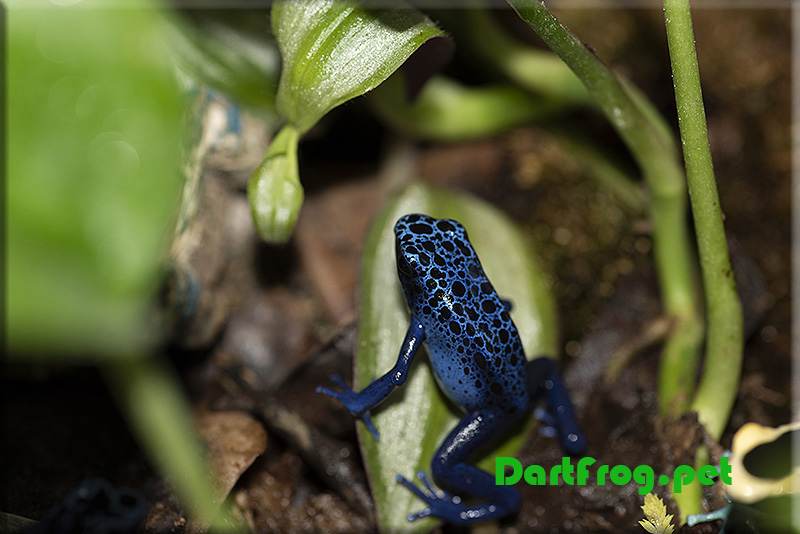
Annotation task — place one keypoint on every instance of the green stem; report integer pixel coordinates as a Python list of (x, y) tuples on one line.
[(688, 500), (718, 387), (648, 139)]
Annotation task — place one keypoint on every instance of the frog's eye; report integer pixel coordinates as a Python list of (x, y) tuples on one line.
[(451, 227), (403, 266), (447, 225)]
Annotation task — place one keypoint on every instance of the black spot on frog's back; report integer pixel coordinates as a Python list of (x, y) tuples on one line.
[(422, 229), (458, 289)]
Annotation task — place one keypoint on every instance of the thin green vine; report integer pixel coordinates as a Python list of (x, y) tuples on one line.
[(647, 136), (724, 338), (718, 387)]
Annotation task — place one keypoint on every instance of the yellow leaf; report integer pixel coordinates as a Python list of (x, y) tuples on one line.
[(655, 512)]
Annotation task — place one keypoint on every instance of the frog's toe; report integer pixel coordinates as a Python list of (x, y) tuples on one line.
[(410, 485), (441, 494), (547, 419), (440, 503), (370, 426), (327, 391), (339, 381), (419, 515), (344, 396), (427, 497)]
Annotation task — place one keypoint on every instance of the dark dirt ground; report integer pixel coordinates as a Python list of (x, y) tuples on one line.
[(291, 321)]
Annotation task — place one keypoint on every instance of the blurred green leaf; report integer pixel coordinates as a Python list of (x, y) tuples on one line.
[(219, 50), (93, 122), (537, 70), (446, 110), (334, 50), (416, 418)]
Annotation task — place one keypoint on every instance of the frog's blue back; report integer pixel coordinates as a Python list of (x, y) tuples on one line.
[(474, 346)]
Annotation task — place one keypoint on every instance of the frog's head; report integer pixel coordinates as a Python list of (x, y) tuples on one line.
[(426, 249)]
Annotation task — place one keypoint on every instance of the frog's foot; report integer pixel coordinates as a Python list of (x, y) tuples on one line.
[(548, 421), (544, 379), (440, 504), (351, 400)]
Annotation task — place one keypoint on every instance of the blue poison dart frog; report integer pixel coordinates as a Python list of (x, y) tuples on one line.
[(477, 358)]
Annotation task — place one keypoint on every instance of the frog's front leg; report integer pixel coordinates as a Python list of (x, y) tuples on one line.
[(544, 379), (450, 469), (359, 403)]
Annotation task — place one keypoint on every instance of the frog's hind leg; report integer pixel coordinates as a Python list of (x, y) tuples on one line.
[(450, 469)]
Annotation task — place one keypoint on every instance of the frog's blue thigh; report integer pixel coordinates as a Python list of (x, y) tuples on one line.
[(450, 469), (544, 379)]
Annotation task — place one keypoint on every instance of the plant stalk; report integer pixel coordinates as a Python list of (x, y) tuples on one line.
[(719, 385), (647, 137)]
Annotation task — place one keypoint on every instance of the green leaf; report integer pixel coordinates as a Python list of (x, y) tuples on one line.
[(416, 418), (93, 159), (448, 111), (274, 190), (335, 50), (219, 48)]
